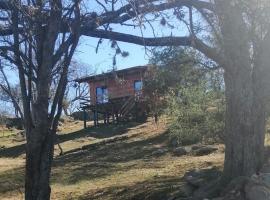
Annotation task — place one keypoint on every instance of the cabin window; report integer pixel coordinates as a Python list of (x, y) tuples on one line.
[(102, 95), (138, 86)]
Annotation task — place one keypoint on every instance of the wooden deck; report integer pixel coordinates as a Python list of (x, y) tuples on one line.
[(116, 109)]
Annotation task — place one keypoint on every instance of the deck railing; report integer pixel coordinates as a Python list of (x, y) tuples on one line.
[(103, 99)]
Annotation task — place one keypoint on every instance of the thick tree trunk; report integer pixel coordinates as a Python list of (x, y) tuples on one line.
[(245, 125), (39, 155), (245, 113)]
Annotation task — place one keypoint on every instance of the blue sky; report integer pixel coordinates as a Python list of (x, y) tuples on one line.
[(102, 61)]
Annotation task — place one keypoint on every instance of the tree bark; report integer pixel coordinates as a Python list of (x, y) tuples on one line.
[(39, 155), (245, 109), (245, 125)]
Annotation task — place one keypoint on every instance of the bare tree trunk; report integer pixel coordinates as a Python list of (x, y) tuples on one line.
[(245, 125), (39, 147), (39, 154)]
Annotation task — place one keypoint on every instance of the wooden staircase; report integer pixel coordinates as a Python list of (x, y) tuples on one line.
[(127, 107)]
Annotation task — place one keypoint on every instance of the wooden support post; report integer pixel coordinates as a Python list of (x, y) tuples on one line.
[(113, 115), (97, 117), (105, 118), (108, 118), (94, 117), (117, 119), (84, 119)]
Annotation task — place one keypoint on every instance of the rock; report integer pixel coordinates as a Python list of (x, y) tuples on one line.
[(195, 178), (188, 149), (159, 152), (204, 150), (245, 188), (196, 147), (174, 143), (180, 151), (198, 178), (265, 179), (208, 190), (184, 191), (258, 187), (257, 192)]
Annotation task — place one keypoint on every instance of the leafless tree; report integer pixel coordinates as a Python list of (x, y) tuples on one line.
[(10, 93), (76, 92), (37, 35), (40, 49)]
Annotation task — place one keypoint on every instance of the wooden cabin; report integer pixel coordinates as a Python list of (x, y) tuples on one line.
[(116, 95)]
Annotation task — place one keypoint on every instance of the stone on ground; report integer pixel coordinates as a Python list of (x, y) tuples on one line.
[(180, 151), (204, 150)]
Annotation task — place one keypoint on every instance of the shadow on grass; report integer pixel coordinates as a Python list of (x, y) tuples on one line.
[(159, 188), (104, 160), (12, 152), (88, 164), (103, 131), (155, 188), (12, 180), (100, 132)]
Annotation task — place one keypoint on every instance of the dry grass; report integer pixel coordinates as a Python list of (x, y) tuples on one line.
[(123, 169), (8, 137)]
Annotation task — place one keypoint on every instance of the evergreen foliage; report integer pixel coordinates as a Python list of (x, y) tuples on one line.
[(190, 91)]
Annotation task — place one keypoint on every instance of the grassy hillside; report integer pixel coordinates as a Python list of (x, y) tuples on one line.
[(131, 161)]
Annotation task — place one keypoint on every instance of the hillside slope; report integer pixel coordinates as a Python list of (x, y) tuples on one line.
[(131, 161)]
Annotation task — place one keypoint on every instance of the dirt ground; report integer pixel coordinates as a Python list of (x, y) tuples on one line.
[(108, 162)]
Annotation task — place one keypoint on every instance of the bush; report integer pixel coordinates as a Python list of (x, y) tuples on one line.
[(197, 115), (182, 83), (184, 135)]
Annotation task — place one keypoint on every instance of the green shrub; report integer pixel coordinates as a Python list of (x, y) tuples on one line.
[(197, 115), (185, 84), (184, 135)]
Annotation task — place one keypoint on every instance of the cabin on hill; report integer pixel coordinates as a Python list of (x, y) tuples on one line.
[(115, 95)]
